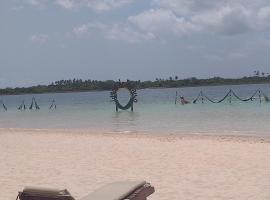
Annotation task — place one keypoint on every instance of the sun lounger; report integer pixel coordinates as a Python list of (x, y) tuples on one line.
[(125, 190), (36, 193)]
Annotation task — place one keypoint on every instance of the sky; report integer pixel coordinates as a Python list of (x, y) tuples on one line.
[(42, 41)]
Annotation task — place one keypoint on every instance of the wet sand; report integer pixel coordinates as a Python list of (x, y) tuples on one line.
[(180, 167)]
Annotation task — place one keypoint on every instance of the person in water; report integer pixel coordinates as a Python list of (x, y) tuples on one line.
[(183, 100)]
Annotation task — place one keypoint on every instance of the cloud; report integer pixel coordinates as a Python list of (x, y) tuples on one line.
[(172, 18), (126, 33), (40, 39), (81, 30), (193, 7), (66, 4), (16, 8), (105, 5), (226, 20), (38, 3), (166, 18), (95, 5), (185, 7), (264, 17), (161, 21), (226, 17), (180, 18), (117, 32)]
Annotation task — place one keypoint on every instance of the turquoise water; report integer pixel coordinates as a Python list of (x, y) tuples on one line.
[(155, 112)]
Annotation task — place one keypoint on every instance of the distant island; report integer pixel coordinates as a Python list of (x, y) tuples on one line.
[(79, 85)]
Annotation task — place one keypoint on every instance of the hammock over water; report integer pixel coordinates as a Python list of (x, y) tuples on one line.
[(3, 105), (258, 93)]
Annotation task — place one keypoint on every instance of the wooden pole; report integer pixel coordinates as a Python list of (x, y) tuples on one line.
[(202, 97), (260, 96), (230, 96)]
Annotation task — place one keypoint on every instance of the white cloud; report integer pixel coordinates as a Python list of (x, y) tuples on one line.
[(161, 21), (193, 7), (186, 7), (105, 5), (126, 33), (227, 20), (81, 30), (16, 8), (40, 39), (180, 17), (264, 13), (38, 3), (96, 5), (227, 17), (183, 17), (67, 4), (119, 32), (264, 17), (169, 18)]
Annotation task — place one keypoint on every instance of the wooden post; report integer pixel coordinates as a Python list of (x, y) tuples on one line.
[(230, 96), (202, 97), (260, 96)]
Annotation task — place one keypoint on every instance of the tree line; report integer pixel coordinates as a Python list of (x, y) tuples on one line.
[(79, 85)]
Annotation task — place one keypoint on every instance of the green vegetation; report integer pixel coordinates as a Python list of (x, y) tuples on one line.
[(77, 85)]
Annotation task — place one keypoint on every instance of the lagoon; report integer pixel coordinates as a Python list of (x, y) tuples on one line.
[(155, 112)]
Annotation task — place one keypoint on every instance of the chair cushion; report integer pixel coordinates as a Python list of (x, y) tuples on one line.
[(115, 191), (45, 192)]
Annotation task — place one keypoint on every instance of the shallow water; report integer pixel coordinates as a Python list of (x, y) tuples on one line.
[(154, 112)]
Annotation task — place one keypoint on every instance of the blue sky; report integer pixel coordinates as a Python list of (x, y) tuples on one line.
[(47, 40)]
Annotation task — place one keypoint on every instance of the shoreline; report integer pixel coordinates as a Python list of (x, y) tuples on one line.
[(172, 136), (84, 91)]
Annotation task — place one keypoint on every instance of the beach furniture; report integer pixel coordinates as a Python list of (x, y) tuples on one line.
[(124, 190), (38, 193)]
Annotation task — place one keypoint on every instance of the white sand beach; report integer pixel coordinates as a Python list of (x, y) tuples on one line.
[(180, 167)]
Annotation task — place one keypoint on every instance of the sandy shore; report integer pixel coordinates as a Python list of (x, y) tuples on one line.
[(180, 167)]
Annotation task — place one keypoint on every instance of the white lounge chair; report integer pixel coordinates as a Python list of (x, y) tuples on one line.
[(124, 190)]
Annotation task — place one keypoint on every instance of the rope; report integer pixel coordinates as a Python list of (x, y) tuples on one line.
[(53, 105), (219, 100), (195, 100), (127, 106), (4, 106), (34, 104), (22, 106), (231, 93), (212, 101), (248, 99)]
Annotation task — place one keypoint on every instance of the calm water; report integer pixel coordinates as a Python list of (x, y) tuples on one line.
[(154, 112)]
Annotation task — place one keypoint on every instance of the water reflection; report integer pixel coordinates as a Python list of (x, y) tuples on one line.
[(125, 121)]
